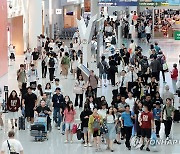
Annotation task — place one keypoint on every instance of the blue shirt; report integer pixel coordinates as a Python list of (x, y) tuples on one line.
[(157, 113), (127, 119)]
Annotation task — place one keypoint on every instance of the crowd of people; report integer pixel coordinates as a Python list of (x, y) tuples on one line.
[(137, 107)]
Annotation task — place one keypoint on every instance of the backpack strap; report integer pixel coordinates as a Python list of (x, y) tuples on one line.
[(9, 147)]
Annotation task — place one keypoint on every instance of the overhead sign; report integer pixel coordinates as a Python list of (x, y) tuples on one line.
[(149, 4), (118, 3), (177, 35)]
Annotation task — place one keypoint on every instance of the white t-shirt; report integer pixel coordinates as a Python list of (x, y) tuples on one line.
[(130, 102), (14, 144), (148, 30), (110, 119)]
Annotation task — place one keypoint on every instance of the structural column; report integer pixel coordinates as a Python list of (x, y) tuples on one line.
[(3, 38), (95, 8), (35, 21)]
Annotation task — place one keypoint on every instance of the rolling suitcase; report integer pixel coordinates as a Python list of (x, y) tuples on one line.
[(176, 115), (22, 123), (38, 127)]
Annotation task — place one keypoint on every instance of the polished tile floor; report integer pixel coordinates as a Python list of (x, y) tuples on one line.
[(55, 144)]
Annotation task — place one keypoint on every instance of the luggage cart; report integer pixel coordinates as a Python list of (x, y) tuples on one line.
[(39, 129)]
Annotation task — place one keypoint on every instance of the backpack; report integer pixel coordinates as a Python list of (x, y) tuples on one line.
[(51, 62), (96, 124), (113, 40), (144, 65)]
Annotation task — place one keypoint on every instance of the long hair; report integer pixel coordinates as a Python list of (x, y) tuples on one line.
[(112, 111), (11, 96), (47, 85), (39, 87), (68, 106)]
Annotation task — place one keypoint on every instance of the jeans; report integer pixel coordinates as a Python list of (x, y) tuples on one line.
[(174, 85), (158, 125), (51, 73), (128, 132), (167, 124), (56, 115), (44, 71)]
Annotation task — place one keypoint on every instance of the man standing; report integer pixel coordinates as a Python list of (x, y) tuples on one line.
[(29, 102), (155, 67), (168, 116), (11, 145), (35, 55), (148, 32), (57, 102), (146, 123), (21, 76), (127, 117)]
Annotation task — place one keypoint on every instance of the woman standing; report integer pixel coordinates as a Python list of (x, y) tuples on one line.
[(95, 121), (13, 105), (69, 114), (74, 63), (65, 63), (48, 91), (174, 77), (80, 83), (84, 116), (111, 122), (39, 93)]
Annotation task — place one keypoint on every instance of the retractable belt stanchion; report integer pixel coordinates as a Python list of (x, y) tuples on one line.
[(6, 98)]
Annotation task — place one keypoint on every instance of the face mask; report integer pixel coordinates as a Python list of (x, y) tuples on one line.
[(143, 108), (66, 100)]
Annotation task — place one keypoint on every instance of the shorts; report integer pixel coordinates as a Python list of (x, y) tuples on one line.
[(68, 126), (146, 132), (96, 133), (29, 113), (102, 75), (13, 115), (85, 130)]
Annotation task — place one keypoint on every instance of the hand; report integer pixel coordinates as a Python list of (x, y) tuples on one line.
[(140, 124), (86, 117), (34, 108), (23, 105)]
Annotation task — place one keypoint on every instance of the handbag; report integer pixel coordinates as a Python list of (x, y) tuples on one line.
[(79, 132), (77, 90), (74, 129), (153, 139), (165, 67)]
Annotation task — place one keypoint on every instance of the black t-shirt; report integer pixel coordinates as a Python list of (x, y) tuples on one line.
[(153, 87), (42, 110), (35, 55), (29, 100)]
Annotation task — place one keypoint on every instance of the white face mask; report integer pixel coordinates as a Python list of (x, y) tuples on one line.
[(143, 108)]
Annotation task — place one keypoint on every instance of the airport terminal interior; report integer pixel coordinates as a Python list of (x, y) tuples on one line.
[(89, 76)]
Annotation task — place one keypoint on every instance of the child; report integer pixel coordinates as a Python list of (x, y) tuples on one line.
[(157, 117), (1, 102)]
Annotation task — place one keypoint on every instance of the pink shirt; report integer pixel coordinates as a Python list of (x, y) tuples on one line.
[(69, 116)]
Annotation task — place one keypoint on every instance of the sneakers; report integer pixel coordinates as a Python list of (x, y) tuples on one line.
[(59, 128), (147, 149), (85, 145), (71, 141), (90, 145), (66, 141), (142, 146)]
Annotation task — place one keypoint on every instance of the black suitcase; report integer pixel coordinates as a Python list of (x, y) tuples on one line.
[(38, 127), (176, 115), (22, 123)]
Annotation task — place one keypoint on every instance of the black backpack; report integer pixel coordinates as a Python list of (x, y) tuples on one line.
[(113, 40), (144, 65), (51, 62)]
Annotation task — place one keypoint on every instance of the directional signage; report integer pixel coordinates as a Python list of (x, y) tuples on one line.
[(177, 35)]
